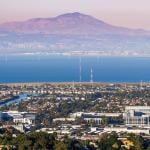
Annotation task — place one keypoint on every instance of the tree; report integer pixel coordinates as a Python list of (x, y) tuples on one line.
[(137, 141), (60, 146), (109, 142), (73, 144), (148, 148)]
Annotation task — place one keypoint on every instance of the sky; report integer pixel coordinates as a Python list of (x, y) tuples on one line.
[(127, 13)]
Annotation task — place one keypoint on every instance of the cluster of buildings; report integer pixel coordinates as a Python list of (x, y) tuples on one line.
[(111, 108), (136, 119), (97, 118), (21, 121)]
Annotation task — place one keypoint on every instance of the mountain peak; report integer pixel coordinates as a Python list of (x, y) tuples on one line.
[(69, 23), (74, 14)]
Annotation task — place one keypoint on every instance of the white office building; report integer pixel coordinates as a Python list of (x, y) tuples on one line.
[(26, 119), (137, 116)]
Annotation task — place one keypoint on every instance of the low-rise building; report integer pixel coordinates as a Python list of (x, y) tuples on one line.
[(25, 119), (63, 119), (127, 130), (137, 116)]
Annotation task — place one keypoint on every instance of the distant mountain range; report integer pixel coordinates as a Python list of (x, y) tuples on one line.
[(70, 23), (72, 33)]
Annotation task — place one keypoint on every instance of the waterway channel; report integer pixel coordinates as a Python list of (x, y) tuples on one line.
[(14, 100)]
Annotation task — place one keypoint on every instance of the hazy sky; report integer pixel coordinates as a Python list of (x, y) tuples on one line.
[(129, 13)]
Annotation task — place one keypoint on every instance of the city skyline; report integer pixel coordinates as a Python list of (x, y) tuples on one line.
[(131, 14)]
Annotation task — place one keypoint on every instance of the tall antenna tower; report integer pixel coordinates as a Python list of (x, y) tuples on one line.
[(125, 85), (80, 71), (141, 84), (91, 80), (73, 84), (73, 87)]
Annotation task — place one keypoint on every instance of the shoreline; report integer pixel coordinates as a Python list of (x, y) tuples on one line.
[(80, 83), (88, 54)]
